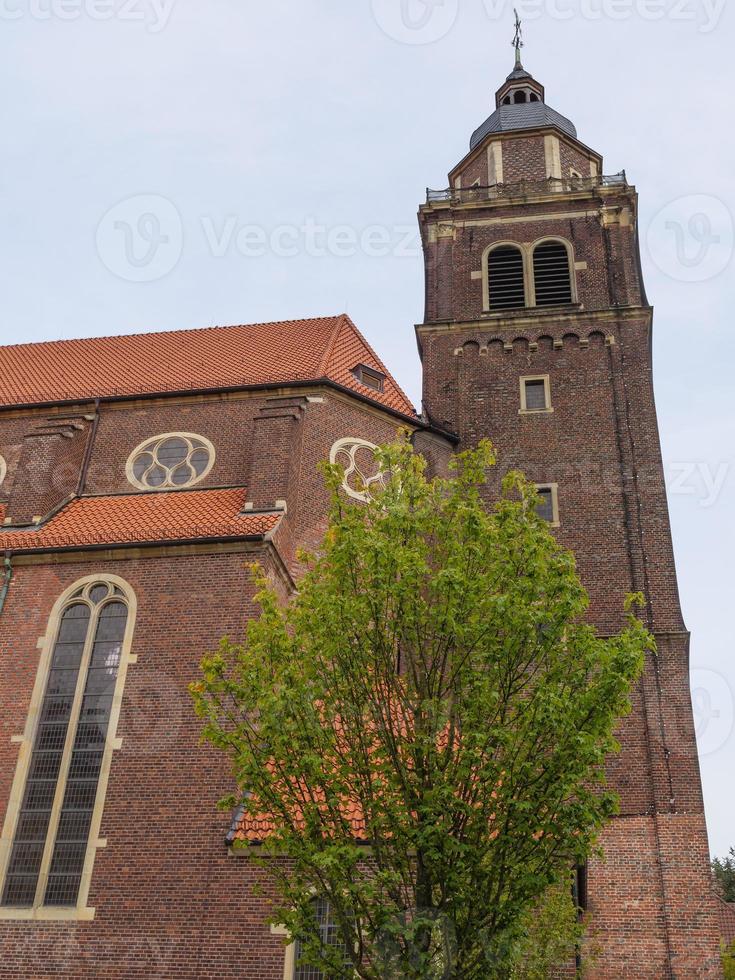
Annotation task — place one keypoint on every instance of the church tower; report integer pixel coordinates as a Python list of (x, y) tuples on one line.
[(537, 335)]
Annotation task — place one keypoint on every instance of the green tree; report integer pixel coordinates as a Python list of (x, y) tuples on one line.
[(723, 870), (728, 962), (432, 690)]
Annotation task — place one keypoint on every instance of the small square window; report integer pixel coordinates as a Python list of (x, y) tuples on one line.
[(548, 503), (536, 394)]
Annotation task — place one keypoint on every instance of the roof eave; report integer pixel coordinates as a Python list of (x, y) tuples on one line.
[(194, 392), (118, 545)]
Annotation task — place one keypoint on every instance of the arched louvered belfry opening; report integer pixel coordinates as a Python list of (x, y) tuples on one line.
[(506, 284), (551, 274)]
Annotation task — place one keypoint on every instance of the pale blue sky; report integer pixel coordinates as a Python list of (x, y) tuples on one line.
[(268, 141)]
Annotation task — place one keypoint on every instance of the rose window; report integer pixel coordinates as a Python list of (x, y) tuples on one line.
[(172, 461), (361, 468)]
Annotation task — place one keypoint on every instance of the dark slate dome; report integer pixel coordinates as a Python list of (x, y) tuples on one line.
[(520, 105), (528, 115)]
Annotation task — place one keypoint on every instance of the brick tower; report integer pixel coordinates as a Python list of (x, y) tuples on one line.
[(537, 334)]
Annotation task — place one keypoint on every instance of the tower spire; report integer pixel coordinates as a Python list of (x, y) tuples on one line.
[(518, 39)]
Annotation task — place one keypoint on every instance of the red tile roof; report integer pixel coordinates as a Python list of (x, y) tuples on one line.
[(214, 357), (183, 515), (255, 830)]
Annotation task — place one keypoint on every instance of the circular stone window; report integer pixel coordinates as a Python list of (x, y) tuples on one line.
[(170, 461), (3, 470), (362, 471)]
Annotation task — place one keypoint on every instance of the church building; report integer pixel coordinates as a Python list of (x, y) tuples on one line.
[(140, 475)]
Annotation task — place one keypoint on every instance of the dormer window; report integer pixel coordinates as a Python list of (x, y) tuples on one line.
[(369, 377)]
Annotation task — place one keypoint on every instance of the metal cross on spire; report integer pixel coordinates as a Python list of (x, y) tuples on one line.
[(518, 39)]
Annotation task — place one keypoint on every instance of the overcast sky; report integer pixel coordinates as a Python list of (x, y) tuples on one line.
[(179, 163)]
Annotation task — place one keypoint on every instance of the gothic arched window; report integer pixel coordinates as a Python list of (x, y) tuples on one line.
[(505, 278), (552, 277), (50, 834)]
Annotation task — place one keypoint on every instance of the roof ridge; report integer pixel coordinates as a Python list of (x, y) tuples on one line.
[(341, 320), (175, 330), (363, 339)]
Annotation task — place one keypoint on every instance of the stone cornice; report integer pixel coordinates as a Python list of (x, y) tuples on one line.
[(551, 320)]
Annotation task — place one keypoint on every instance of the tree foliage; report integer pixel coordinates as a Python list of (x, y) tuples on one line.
[(723, 870), (728, 962), (425, 724)]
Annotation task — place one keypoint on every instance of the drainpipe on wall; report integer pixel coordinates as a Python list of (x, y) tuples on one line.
[(6, 581)]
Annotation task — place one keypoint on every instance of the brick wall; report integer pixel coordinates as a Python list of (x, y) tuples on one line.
[(170, 901), (453, 293), (651, 908)]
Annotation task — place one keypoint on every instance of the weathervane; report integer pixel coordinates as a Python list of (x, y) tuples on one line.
[(518, 39)]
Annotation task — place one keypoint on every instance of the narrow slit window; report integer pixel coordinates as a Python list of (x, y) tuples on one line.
[(52, 833), (547, 506), (579, 887), (506, 284), (551, 275)]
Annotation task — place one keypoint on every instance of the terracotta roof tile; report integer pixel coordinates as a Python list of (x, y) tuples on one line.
[(214, 357), (183, 515), (255, 830)]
